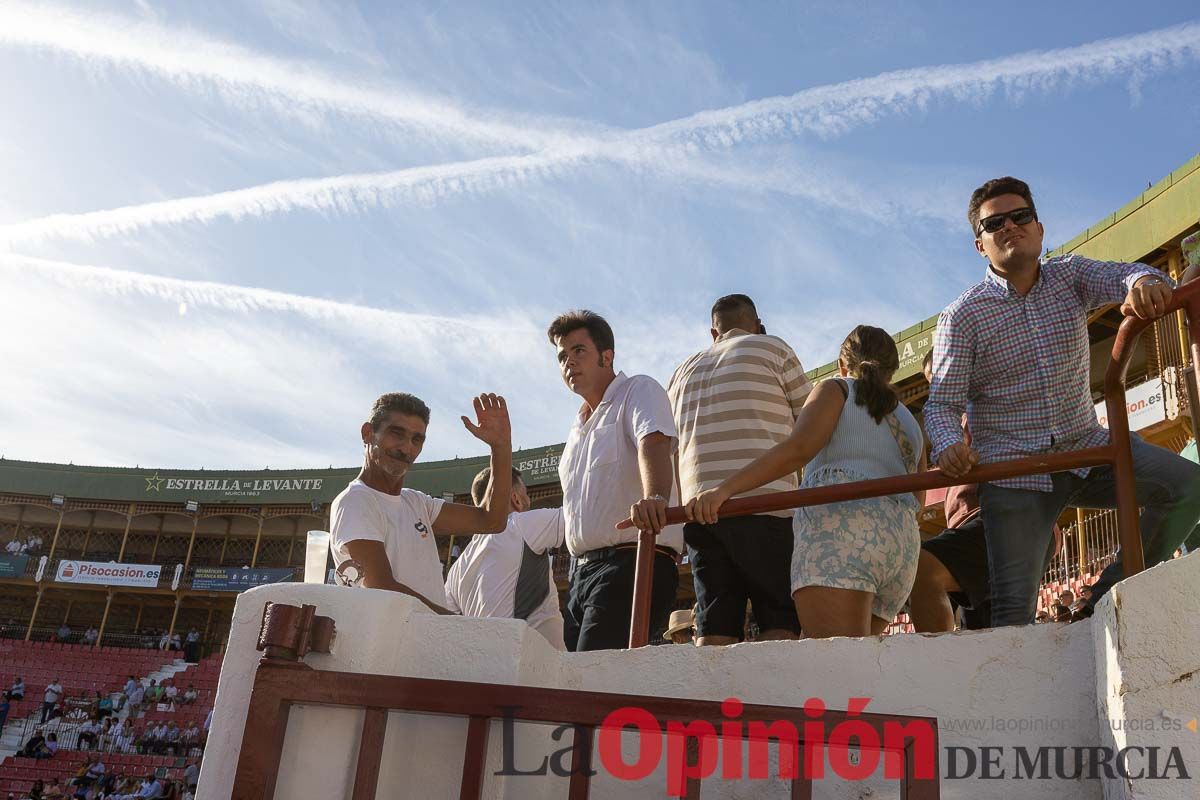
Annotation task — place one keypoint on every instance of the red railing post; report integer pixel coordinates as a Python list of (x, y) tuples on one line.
[(643, 583)]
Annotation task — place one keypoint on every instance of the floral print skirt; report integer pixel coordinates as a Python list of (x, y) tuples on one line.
[(869, 545)]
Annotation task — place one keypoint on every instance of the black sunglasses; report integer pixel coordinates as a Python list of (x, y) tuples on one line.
[(1019, 216)]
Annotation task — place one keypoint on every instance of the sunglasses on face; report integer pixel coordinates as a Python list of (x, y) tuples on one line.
[(1019, 216)]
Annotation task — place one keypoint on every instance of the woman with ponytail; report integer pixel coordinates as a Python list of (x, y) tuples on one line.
[(853, 563)]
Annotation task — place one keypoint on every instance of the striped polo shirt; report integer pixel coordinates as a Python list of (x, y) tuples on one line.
[(733, 402)]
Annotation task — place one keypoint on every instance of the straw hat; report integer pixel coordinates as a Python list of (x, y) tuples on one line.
[(681, 620)]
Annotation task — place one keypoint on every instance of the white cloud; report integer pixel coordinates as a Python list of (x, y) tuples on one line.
[(668, 148), (194, 61)]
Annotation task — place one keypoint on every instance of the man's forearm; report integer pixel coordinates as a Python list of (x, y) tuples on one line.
[(654, 464), (396, 586), (943, 424), (496, 503)]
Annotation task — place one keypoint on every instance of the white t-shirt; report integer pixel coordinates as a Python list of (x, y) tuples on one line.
[(599, 464), (491, 577), (53, 692), (14, 547), (403, 522)]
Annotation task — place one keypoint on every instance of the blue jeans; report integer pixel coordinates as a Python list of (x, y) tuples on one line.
[(1018, 524)]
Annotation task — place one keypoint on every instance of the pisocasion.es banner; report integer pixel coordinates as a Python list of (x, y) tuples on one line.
[(108, 574)]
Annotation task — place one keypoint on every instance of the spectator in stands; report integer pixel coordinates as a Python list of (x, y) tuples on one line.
[(390, 530), (5, 707), (150, 788), (153, 693), (171, 738), (731, 403), (17, 690), (1047, 304), (190, 695), (136, 698), (63, 634), (38, 790), (1066, 597), (126, 692), (164, 641), (191, 735), (104, 705), (33, 544), (191, 646), (170, 692), (176, 642), (854, 562), (617, 464), (89, 734), (508, 574), (54, 790), (90, 635), (16, 547), (41, 747), (54, 693), (681, 628), (191, 775)]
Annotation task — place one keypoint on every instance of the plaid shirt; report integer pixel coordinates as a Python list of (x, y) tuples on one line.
[(1020, 366)]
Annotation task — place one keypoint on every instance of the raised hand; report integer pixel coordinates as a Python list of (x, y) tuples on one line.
[(491, 424)]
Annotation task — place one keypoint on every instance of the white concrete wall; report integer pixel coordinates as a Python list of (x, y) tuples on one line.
[(1048, 685)]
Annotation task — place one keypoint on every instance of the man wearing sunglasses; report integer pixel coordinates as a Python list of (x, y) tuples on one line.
[(1012, 352)]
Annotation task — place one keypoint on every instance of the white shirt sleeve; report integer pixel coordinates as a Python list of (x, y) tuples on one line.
[(453, 579), (356, 517), (542, 529), (648, 409), (431, 506)]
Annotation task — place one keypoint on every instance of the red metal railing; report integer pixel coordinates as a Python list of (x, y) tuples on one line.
[(280, 683), (1117, 454)]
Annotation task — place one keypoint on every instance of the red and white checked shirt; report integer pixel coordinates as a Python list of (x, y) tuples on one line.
[(1019, 366)]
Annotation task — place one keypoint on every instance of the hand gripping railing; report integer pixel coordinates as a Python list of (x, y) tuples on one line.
[(1117, 454)]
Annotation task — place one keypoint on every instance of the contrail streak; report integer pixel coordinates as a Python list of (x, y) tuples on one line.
[(247, 78), (395, 327), (670, 147)]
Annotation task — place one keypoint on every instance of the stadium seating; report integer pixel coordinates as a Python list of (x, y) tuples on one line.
[(83, 670)]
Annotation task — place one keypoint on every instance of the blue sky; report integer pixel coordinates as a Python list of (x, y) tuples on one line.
[(226, 229)]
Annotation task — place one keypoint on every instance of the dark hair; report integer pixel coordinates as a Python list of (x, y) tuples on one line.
[(927, 361), (597, 328), (480, 484), (994, 188), (731, 309), (869, 354), (401, 402)]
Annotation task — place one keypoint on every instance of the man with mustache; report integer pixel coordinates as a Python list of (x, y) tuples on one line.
[(1012, 353), (388, 529)]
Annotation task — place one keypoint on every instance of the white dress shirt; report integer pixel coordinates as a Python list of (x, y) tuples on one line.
[(599, 465)]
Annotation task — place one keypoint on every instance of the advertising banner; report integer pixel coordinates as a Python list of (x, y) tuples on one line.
[(234, 579), (13, 566), (108, 574)]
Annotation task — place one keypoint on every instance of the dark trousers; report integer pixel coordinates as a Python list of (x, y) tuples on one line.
[(1018, 524), (47, 708), (600, 604)]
